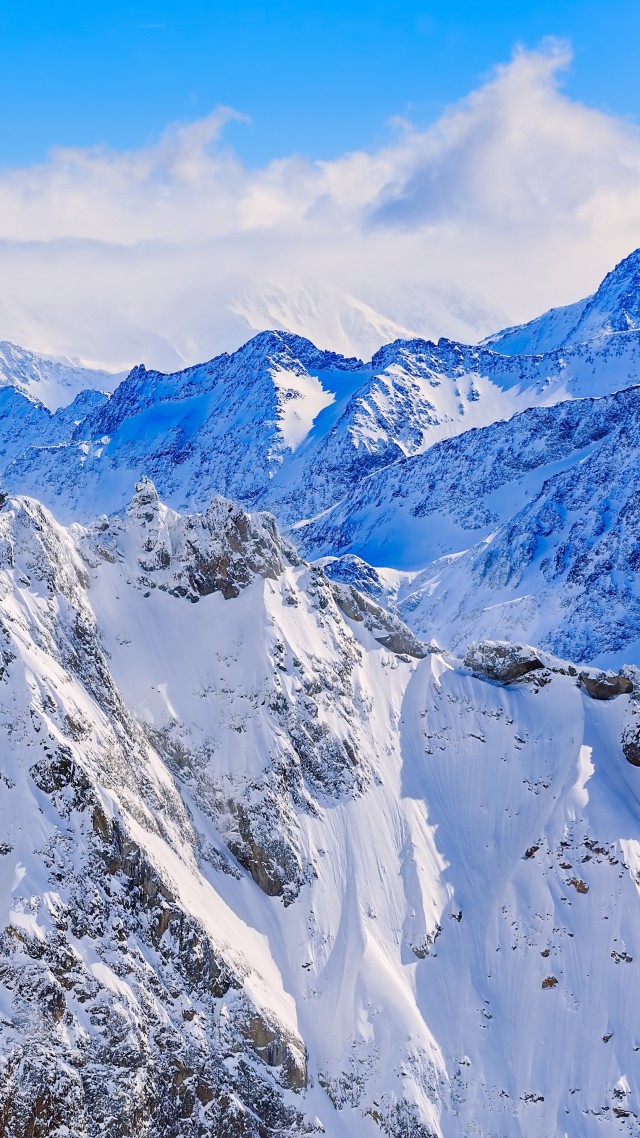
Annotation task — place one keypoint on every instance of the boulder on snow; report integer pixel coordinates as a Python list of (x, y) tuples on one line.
[(631, 735), (501, 662), (606, 685)]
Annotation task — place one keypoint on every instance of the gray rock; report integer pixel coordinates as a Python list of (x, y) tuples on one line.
[(386, 628), (501, 662)]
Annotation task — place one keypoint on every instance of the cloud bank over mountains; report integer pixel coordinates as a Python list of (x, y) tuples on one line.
[(507, 204)]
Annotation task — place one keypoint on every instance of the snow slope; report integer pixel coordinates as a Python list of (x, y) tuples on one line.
[(614, 307), (54, 382), (456, 493), (409, 892), (561, 571), (527, 530)]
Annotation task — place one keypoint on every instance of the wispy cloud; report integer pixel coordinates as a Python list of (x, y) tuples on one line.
[(515, 199)]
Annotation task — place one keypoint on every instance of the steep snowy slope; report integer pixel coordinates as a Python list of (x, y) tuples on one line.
[(282, 425), (528, 529), (272, 869), (562, 571), (614, 307), (461, 489), (54, 382)]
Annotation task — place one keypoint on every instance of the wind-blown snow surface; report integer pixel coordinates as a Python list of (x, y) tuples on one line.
[(425, 879)]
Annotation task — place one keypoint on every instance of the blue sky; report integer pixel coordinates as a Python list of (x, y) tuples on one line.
[(405, 169), (315, 78)]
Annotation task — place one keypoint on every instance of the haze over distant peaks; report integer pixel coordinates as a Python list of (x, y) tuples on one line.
[(614, 307)]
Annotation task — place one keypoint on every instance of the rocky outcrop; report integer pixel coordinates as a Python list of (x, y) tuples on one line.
[(276, 1049), (606, 685), (193, 555), (501, 662), (387, 629), (631, 748), (124, 1010)]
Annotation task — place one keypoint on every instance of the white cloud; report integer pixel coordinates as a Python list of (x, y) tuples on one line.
[(516, 199)]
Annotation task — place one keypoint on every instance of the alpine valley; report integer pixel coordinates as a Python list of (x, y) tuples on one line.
[(320, 769)]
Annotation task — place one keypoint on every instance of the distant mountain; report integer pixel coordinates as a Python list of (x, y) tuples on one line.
[(360, 324), (614, 307), (176, 329), (54, 382), (282, 425)]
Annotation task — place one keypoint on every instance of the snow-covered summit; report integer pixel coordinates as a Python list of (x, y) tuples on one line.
[(283, 425), (191, 556), (614, 307)]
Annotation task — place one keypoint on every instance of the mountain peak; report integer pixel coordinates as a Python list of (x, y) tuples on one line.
[(617, 298), (276, 342), (613, 307), (191, 555)]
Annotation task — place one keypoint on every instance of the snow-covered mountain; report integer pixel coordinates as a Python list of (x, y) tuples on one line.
[(525, 529), (54, 382), (614, 307), (304, 876), (459, 491), (282, 425), (274, 862)]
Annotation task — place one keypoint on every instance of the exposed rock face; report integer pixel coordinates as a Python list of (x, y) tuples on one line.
[(631, 721), (631, 748), (501, 662), (125, 1011), (277, 1050), (115, 976), (606, 685), (192, 556), (387, 629)]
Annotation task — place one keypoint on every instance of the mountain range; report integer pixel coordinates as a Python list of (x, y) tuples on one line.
[(319, 680)]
